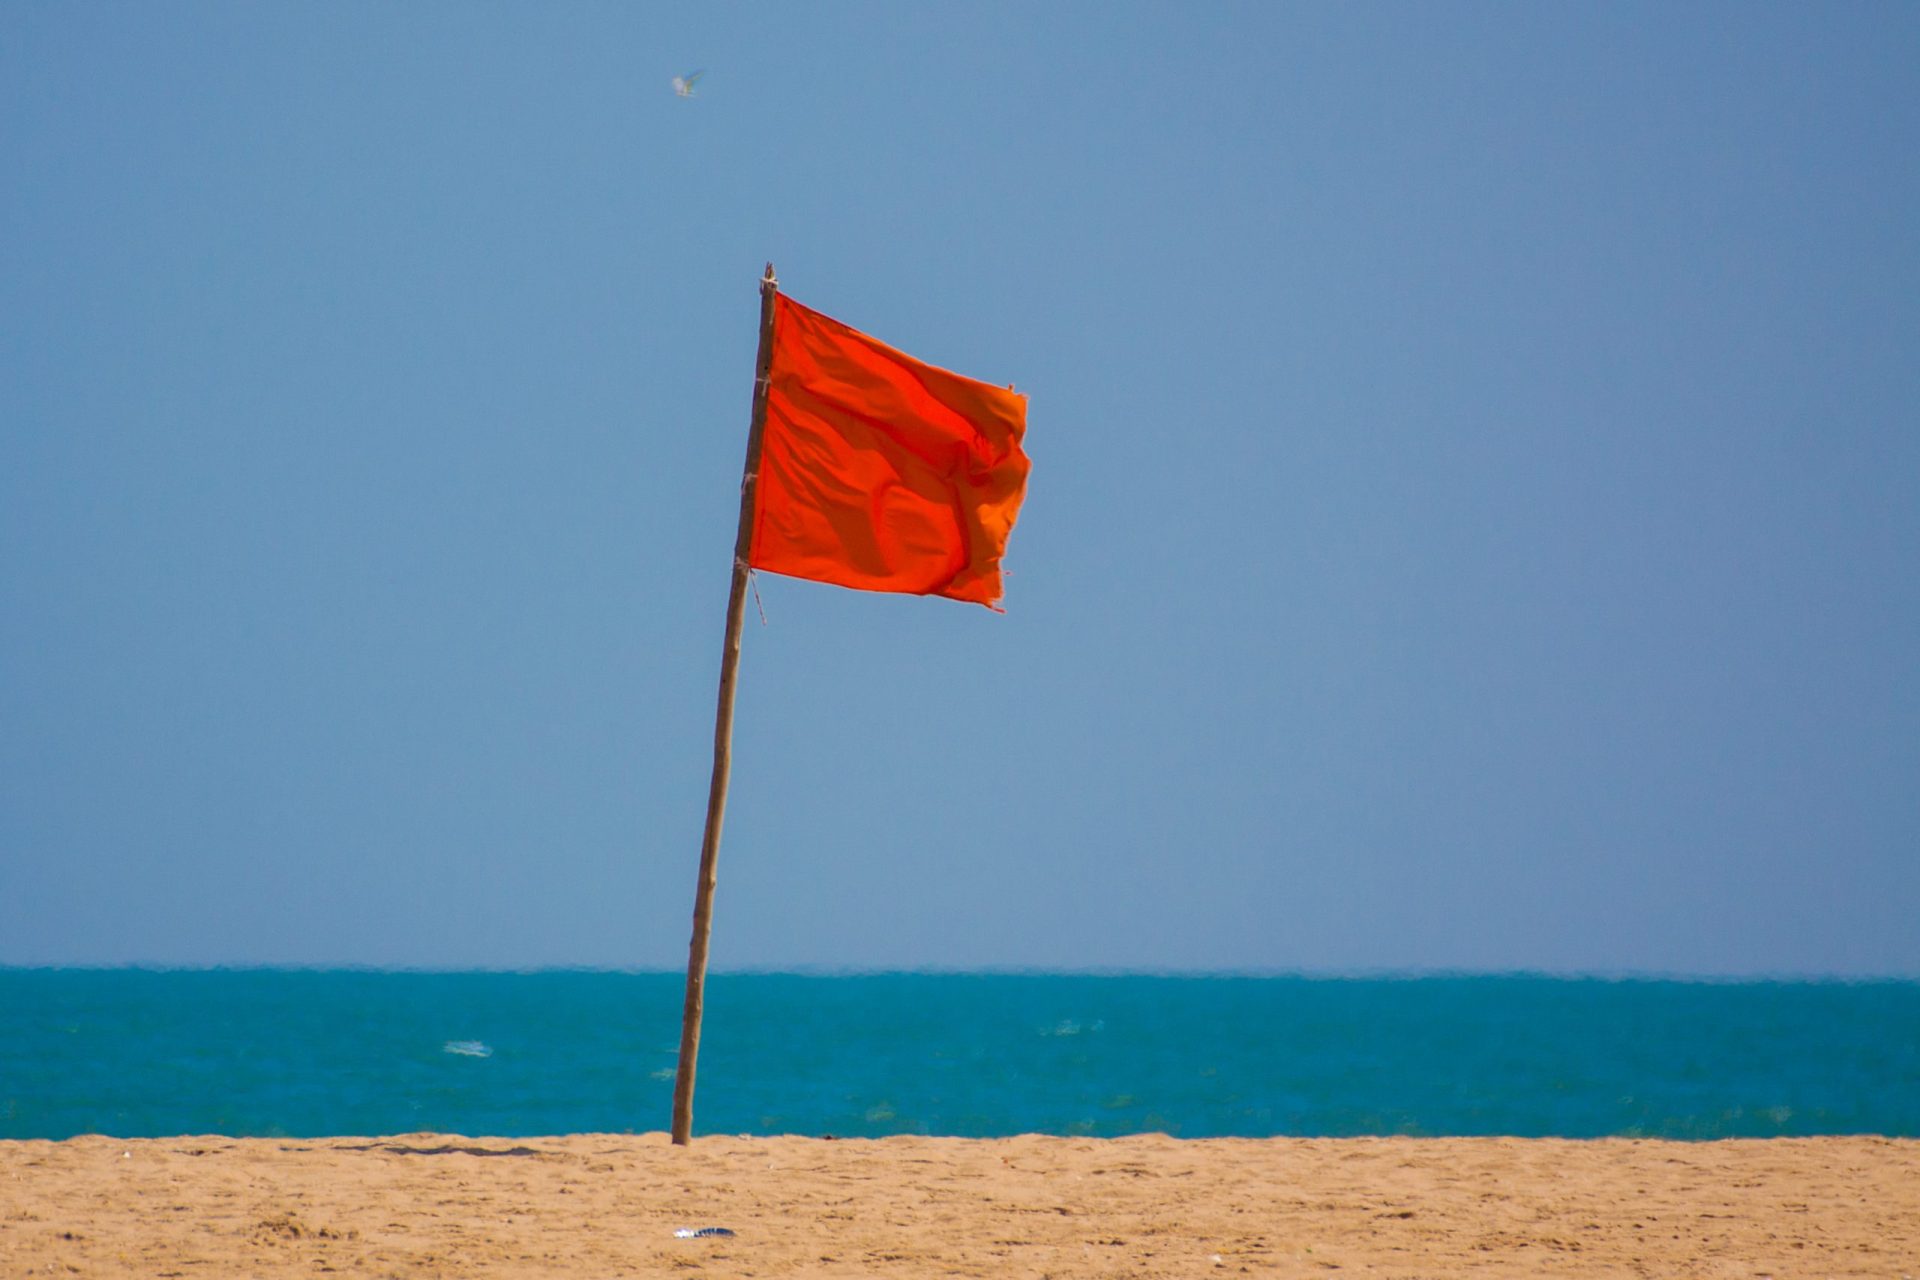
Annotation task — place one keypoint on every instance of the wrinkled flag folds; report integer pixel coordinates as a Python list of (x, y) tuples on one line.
[(881, 472)]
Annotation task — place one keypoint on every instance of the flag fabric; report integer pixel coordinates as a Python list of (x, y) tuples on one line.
[(881, 472)]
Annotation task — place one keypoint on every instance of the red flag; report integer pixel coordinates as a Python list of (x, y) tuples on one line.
[(881, 472)]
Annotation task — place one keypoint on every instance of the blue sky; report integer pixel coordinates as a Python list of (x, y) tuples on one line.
[(1475, 503)]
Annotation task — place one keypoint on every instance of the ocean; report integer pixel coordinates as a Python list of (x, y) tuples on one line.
[(310, 1053)]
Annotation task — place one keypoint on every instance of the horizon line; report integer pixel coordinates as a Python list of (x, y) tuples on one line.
[(1329, 974)]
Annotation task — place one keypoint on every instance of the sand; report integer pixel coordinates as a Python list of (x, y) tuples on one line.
[(606, 1206)]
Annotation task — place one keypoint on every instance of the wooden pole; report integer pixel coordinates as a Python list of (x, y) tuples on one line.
[(722, 733)]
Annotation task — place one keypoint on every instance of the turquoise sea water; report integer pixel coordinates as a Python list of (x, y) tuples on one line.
[(139, 1053)]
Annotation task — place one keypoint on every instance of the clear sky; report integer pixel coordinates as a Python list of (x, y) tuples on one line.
[(1474, 518)]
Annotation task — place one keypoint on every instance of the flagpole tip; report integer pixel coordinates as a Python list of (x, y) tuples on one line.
[(769, 277)]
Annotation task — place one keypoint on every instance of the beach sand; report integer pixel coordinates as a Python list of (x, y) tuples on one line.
[(602, 1206)]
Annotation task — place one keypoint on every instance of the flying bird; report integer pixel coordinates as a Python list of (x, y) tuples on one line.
[(683, 85)]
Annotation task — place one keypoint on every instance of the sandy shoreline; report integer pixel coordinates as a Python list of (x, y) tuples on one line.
[(601, 1206)]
